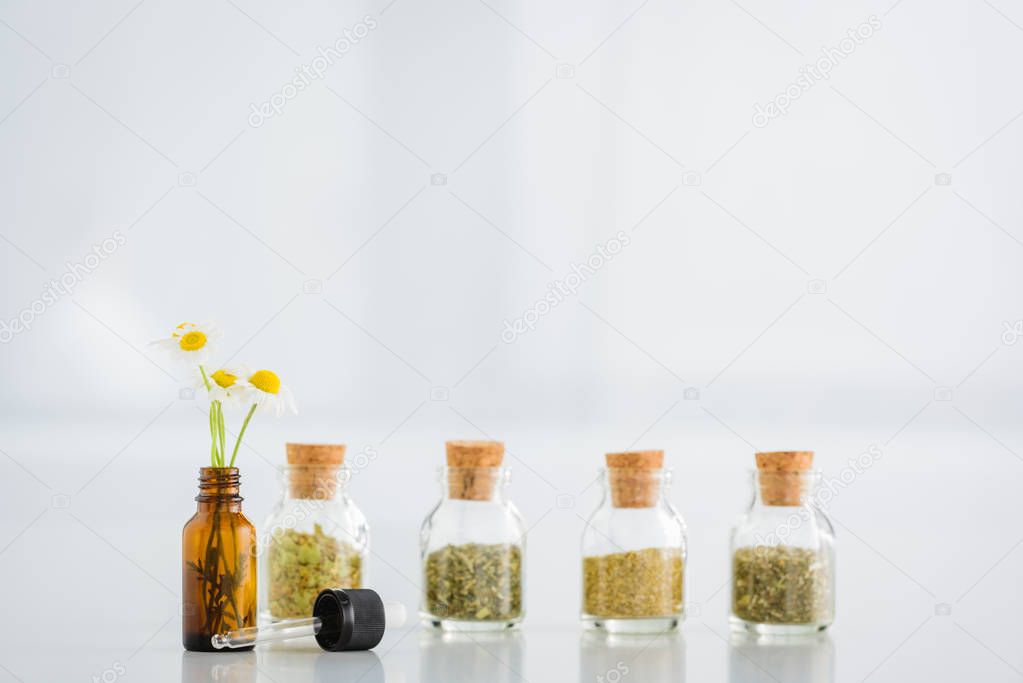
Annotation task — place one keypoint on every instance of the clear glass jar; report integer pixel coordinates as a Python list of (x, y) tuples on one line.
[(315, 538), (783, 557), (634, 554), (473, 545)]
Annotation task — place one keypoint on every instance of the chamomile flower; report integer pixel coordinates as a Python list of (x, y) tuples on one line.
[(227, 385), (267, 392), (190, 342), (259, 391)]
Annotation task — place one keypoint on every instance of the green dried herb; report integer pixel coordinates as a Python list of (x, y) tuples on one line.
[(780, 585), (637, 583), (474, 582), (301, 565)]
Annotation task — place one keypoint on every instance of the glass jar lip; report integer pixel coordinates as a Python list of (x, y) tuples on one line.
[(502, 471), (658, 473), (288, 467), (342, 474)]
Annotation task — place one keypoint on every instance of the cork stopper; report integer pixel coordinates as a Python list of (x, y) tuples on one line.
[(471, 473), (634, 479), (313, 472), (781, 476)]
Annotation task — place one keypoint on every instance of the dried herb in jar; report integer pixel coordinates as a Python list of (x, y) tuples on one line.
[(303, 564), (637, 583), (779, 585), (474, 582)]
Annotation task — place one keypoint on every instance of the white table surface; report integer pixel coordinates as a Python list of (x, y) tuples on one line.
[(940, 650), (929, 560)]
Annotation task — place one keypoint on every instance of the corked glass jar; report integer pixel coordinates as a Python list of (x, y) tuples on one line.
[(783, 551), (473, 544), (315, 538), (634, 550)]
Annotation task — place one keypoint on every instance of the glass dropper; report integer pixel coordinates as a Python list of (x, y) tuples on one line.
[(343, 619), (281, 630)]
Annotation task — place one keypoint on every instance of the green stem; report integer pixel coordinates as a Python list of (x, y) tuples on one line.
[(232, 589), (209, 571), (216, 425), (241, 434), (220, 431), (213, 441), (239, 564)]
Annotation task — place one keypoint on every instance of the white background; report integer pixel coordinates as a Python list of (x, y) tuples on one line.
[(839, 278)]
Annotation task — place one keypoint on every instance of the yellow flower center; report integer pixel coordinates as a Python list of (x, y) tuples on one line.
[(266, 381), (192, 341), (224, 379)]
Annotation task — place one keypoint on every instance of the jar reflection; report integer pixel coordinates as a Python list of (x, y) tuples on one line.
[(491, 657), (304, 664), (808, 659), (614, 658)]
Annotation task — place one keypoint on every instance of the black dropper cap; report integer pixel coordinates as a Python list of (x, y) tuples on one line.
[(352, 619)]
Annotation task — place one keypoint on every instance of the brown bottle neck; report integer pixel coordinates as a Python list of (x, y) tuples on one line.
[(219, 489)]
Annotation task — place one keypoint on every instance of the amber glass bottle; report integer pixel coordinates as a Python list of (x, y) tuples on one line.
[(218, 562)]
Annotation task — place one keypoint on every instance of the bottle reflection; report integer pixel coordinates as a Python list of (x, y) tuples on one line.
[(218, 667), (754, 659), (613, 658), (491, 657), (281, 663)]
